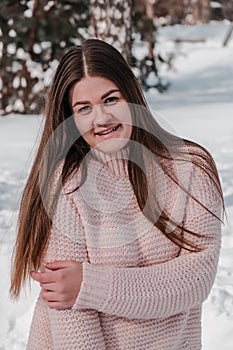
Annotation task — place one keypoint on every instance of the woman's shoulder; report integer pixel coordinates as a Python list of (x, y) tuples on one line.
[(188, 154), (196, 149), (203, 163), (189, 165), (182, 154), (205, 183)]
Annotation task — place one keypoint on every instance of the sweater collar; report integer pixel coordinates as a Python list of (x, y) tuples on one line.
[(116, 162)]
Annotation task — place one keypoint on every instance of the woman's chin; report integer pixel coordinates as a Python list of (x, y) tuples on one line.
[(112, 146)]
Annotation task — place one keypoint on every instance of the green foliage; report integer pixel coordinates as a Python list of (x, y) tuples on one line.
[(35, 31)]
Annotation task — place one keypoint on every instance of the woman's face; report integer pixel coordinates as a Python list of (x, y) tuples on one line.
[(101, 114)]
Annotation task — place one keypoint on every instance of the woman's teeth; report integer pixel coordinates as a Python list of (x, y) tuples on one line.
[(105, 132)]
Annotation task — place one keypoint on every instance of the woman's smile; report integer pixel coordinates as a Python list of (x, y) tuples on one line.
[(109, 131)]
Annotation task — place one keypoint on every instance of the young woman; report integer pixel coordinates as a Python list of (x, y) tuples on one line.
[(120, 220)]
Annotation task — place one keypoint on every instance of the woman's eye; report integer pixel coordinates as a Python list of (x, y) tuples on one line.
[(111, 100), (85, 110)]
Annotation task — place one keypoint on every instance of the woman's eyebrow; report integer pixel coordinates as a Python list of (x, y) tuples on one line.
[(109, 93), (102, 97), (81, 103)]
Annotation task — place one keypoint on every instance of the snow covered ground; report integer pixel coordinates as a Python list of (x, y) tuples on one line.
[(197, 106)]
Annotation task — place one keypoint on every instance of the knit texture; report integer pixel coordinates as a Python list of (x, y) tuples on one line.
[(140, 291)]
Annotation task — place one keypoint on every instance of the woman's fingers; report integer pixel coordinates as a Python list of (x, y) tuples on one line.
[(50, 287), (60, 282), (57, 305), (54, 300), (51, 296), (44, 277), (59, 264)]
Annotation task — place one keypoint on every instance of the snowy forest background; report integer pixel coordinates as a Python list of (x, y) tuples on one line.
[(180, 50)]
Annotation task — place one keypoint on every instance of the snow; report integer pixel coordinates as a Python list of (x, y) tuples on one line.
[(197, 106)]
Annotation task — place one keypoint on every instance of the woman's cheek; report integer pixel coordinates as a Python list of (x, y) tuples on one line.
[(82, 125)]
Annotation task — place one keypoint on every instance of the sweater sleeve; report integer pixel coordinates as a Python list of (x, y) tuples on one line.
[(65, 329), (168, 288)]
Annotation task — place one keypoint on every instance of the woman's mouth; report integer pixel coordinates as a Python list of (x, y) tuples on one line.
[(108, 130)]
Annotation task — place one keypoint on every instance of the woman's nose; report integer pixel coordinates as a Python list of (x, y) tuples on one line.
[(101, 116)]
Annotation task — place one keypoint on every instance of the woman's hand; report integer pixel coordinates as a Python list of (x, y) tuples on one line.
[(60, 282)]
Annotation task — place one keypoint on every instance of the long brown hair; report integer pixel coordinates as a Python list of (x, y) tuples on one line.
[(96, 58)]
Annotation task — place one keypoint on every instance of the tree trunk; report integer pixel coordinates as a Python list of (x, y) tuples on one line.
[(4, 94), (111, 21), (151, 28), (201, 11), (32, 30)]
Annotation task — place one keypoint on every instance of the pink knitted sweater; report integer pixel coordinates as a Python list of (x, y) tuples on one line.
[(140, 291)]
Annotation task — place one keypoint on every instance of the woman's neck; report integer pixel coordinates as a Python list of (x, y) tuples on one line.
[(116, 162)]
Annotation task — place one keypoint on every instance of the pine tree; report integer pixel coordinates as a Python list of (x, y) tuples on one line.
[(34, 35)]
